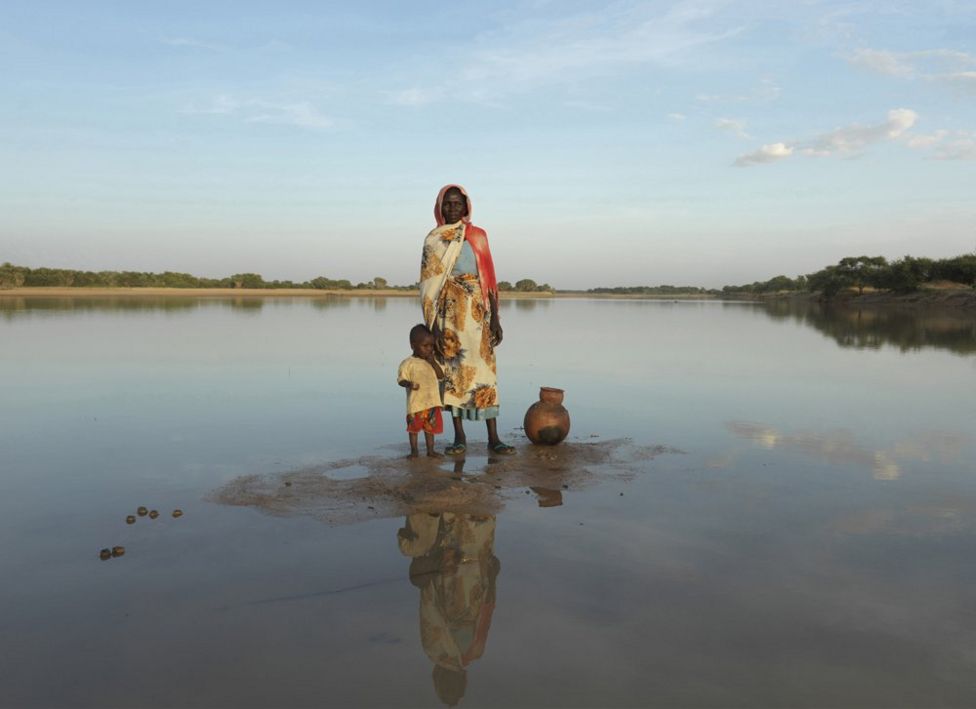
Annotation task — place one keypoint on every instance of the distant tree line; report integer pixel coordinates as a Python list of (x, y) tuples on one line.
[(903, 275), (526, 285), (22, 277)]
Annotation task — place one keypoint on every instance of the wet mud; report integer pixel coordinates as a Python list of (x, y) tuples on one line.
[(359, 489)]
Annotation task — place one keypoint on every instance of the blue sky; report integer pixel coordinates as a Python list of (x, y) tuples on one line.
[(602, 143)]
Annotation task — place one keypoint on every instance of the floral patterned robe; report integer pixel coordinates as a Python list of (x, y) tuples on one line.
[(458, 305)]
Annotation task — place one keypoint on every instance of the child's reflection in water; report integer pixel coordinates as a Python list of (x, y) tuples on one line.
[(455, 568)]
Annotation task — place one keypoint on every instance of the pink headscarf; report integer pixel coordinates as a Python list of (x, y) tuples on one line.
[(478, 239), (438, 216)]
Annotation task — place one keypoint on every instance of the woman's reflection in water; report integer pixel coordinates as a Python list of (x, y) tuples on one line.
[(455, 568)]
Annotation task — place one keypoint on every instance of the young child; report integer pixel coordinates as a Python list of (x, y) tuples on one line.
[(419, 375)]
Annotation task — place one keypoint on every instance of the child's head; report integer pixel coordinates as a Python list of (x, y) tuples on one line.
[(421, 341)]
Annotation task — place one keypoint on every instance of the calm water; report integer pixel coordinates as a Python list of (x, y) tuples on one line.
[(756, 507)]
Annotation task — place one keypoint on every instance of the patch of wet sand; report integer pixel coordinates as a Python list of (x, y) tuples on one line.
[(394, 487)]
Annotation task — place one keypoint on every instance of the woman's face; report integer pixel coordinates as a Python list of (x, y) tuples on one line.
[(454, 206)]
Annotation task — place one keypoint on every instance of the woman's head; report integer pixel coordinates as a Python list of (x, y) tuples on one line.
[(452, 205)]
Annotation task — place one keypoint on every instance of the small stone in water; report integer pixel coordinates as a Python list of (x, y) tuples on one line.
[(130, 519), (142, 511), (287, 483), (118, 551), (153, 514), (177, 513), (105, 554)]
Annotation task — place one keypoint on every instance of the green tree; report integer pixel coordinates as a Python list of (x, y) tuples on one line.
[(778, 283), (379, 283), (243, 280), (863, 270), (961, 269), (526, 285), (12, 276), (322, 283), (504, 286), (829, 281)]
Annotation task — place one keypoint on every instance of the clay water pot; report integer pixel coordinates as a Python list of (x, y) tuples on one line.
[(547, 421)]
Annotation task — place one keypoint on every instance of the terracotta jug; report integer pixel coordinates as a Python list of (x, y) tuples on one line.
[(547, 421)]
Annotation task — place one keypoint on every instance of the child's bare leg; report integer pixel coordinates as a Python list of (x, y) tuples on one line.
[(414, 451), (429, 440)]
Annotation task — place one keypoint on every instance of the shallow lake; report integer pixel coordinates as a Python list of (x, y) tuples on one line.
[(756, 506)]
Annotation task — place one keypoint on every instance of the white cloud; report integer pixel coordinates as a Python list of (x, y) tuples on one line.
[(414, 97), (295, 113), (767, 90), (677, 117), (845, 141), (733, 126), (882, 62), (565, 50), (961, 146), (855, 138), (947, 66), (765, 154), (944, 144), (919, 141), (221, 104), (300, 114), (588, 106), (964, 80), (193, 43)]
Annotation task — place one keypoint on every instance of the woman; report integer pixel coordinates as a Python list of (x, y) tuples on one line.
[(459, 297)]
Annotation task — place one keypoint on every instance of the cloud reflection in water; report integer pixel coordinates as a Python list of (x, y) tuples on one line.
[(841, 448)]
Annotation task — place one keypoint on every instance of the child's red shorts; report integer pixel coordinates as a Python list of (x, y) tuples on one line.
[(428, 421)]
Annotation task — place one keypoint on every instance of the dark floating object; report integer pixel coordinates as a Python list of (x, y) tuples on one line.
[(177, 513), (153, 514), (118, 551), (130, 519), (142, 511), (105, 554), (287, 483), (547, 421)]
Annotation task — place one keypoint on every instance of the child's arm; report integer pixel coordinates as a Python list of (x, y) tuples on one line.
[(402, 373), (437, 368)]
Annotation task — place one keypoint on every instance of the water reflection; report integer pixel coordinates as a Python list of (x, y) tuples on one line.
[(909, 329), (14, 306), (841, 448), (18, 306), (248, 305), (526, 304), (952, 329), (454, 565)]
